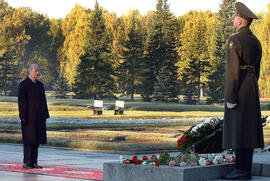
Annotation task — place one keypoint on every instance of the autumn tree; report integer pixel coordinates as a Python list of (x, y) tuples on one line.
[(193, 64), (12, 41), (73, 28), (261, 29)]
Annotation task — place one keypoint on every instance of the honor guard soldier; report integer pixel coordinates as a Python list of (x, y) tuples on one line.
[(242, 129)]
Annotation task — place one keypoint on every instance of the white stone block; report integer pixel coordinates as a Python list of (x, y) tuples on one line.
[(98, 103), (120, 104)]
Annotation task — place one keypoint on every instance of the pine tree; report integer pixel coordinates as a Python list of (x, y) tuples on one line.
[(164, 89), (60, 86), (160, 49), (132, 56), (94, 72), (223, 30)]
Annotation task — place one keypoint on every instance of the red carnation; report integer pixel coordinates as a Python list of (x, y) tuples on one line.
[(157, 163), (134, 158), (232, 159), (153, 157), (178, 143), (208, 163), (161, 154), (196, 154), (183, 139), (223, 156), (145, 158), (127, 162), (137, 162)]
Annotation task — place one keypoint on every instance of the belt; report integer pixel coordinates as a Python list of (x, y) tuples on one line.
[(248, 68)]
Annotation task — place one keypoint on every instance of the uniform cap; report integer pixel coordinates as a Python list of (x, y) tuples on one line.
[(244, 12)]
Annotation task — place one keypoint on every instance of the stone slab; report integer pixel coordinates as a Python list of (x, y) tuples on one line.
[(265, 170), (257, 169), (254, 178), (115, 171)]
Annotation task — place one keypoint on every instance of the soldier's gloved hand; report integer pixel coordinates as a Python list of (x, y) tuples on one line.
[(24, 121), (230, 105)]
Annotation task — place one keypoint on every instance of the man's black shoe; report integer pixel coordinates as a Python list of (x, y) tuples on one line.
[(238, 175), (27, 166), (37, 166)]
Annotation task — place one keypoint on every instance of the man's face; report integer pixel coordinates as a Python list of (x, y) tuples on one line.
[(236, 22), (34, 73)]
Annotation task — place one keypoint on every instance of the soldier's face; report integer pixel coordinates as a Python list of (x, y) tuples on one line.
[(34, 73), (236, 22)]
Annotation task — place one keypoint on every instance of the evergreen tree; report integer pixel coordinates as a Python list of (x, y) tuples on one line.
[(164, 89), (94, 72), (60, 86), (223, 30), (160, 49), (132, 55)]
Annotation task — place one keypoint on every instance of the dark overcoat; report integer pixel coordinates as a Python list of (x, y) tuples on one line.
[(242, 125), (33, 108)]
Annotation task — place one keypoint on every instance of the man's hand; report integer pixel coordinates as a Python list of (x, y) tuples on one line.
[(24, 121), (230, 105)]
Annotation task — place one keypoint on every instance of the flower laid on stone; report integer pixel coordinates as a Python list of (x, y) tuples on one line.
[(172, 163), (218, 159), (182, 160), (232, 159), (134, 158), (183, 164), (144, 158), (202, 161)]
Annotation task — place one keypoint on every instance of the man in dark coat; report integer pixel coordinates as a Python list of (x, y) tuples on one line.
[(242, 119), (33, 112)]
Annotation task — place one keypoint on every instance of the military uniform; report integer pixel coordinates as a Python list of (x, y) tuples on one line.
[(242, 127)]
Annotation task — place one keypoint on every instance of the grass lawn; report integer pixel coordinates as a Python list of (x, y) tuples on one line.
[(115, 137)]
